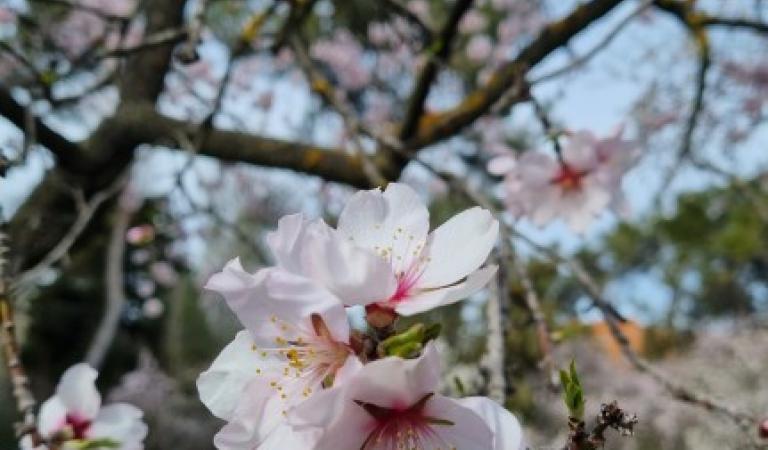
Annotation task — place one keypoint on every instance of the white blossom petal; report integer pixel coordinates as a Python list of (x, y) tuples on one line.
[(508, 435), (221, 386), (53, 415), (316, 251), (121, 423), (77, 391), (425, 301), (459, 247), (468, 431), (393, 224), (257, 298)]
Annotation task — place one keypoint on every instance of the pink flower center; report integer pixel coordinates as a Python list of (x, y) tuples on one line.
[(78, 425), (406, 280), (404, 427), (568, 178)]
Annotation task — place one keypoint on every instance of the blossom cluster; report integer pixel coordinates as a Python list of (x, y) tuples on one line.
[(74, 417), (301, 377), (577, 186)]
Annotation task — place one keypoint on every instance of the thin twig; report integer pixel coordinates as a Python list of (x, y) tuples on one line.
[(86, 211), (25, 401), (543, 334), (335, 99), (114, 287), (494, 359)]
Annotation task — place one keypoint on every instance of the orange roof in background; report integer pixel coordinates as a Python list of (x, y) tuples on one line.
[(632, 330)]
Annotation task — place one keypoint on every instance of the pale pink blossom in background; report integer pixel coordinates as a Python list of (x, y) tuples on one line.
[(576, 189), (81, 29), (7, 16), (382, 34), (76, 413), (420, 8), (393, 403), (473, 22), (479, 48), (345, 56), (378, 108)]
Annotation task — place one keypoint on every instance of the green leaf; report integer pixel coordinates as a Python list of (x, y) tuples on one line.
[(573, 394)]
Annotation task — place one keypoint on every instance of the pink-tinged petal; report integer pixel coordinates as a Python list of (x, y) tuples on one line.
[(283, 241), (427, 300), (53, 416), (221, 386), (395, 382), (536, 169), (393, 224), (579, 151), (316, 251), (459, 247), (500, 165), (257, 298), (235, 436), (356, 275), (351, 366), (508, 435), (284, 438), (122, 423), (234, 283), (77, 391), (343, 423), (468, 430)]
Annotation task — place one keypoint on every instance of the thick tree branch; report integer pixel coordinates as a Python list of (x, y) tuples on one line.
[(144, 124), (478, 102), (440, 50), (145, 71)]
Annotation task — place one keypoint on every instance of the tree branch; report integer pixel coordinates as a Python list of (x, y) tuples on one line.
[(145, 124), (114, 285), (478, 102), (439, 52)]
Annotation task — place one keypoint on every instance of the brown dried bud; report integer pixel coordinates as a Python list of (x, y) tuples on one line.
[(763, 430), (380, 317)]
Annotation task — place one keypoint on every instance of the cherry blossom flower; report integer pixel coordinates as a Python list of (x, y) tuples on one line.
[(295, 344), (75, 414), (577, 188), (424, 270), (393, 403)]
